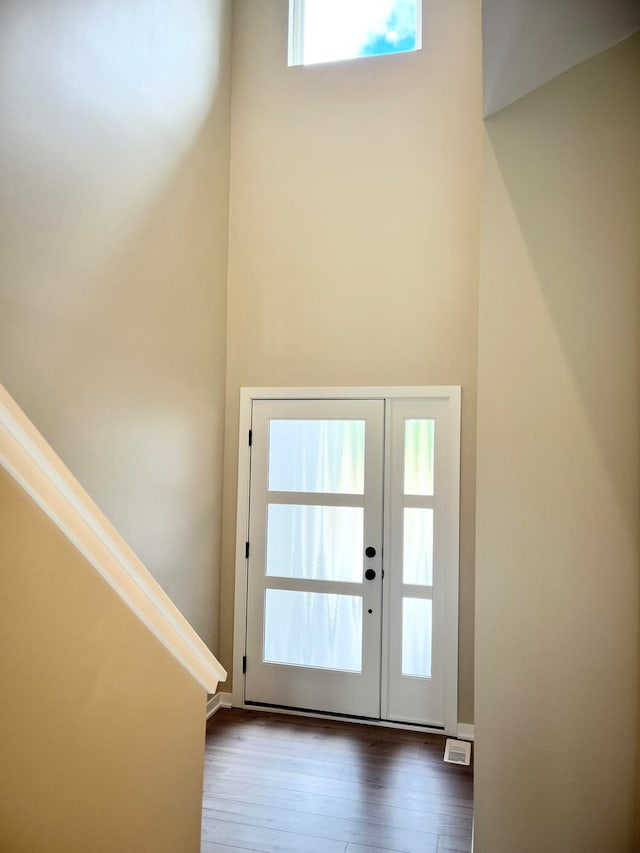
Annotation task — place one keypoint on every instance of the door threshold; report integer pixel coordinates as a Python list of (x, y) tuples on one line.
[(349, 718)]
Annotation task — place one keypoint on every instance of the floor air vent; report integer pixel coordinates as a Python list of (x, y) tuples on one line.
[(457, 752)]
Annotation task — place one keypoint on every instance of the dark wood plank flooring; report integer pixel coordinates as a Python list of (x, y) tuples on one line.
[(297, 785)]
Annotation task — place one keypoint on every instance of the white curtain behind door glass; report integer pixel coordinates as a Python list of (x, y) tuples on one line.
[(315, 542), (416, 637), (309, 542), (419, 437), (313, 629), (316, 456), (417, 551)]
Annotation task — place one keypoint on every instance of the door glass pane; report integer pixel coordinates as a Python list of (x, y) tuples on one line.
[(313, 629), (418, 546), (315, 542), (416, 637), (316, 456), (418, 456)]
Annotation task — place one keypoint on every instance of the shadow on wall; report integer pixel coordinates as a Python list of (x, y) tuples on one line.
[(114, 151), (528, 44), (558, 463), (573, 210)]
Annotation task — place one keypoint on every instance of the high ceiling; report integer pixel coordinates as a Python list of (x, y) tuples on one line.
[(529, 42)]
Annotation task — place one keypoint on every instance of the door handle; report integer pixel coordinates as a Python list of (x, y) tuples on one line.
[(370, 574)]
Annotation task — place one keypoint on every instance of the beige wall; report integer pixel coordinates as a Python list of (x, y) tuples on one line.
[(102, 742), (526, 43), (354, 234), (558, 466), (114, 204)]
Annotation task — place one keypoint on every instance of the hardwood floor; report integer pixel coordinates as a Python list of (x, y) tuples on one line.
[(297, 785)]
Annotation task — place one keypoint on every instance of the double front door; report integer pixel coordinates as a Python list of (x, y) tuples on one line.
[(352, 557)]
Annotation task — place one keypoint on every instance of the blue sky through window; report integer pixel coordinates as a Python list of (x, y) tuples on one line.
[(346, 29)]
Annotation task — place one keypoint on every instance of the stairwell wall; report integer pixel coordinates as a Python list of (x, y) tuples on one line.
[(114, 155), (558, 466), (102, 744), (354, 235)]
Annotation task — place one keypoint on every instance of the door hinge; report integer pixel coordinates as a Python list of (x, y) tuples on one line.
[(244, 664), (250, 437), (246, 550)]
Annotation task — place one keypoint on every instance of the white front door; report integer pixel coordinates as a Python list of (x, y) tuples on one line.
[(314, 610), (351, 557)]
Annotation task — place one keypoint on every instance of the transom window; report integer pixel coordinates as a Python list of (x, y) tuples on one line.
[(332, 30)]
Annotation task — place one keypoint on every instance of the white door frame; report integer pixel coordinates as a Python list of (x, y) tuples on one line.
[(450, 393)]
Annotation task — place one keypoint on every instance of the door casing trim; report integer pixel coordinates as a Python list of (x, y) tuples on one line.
[(453, 394)]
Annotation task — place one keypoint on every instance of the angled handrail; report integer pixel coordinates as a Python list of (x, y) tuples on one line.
[(29, 459)]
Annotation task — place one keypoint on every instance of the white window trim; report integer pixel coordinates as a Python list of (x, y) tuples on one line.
[(247, 395), (296, 31)]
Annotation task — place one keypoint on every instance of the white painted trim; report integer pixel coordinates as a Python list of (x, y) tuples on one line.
[(296, 32), (385, 687), (242, 533), (466, 731), (453, 395), (452, 578), (214, 703), (32, 463), (362, 392)]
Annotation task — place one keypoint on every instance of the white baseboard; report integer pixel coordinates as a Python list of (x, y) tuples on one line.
[(466, 731), (220, 700)]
